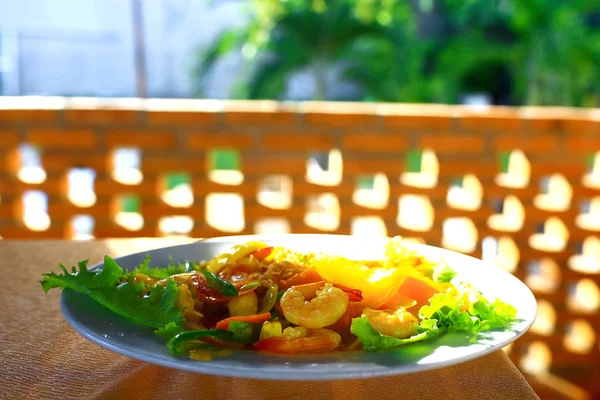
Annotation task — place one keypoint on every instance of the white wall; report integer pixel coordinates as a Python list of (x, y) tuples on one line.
[(85, 47)]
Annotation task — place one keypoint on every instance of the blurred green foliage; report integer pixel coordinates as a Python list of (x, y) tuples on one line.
[(521, 52)]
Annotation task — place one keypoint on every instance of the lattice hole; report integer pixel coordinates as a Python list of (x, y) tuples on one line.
[(589, 218), (584, 297), (552, 236), (503, 253), (556, 194), (545, 320), (29, 165), (459, 234), (82, 227), (372, 191), (592, 178), (510, 216), (368, 226), (325, 169), (176, 190), (126, 166), (224, 167), (275, 191), (537, 358), (35, 210), (179, 225), (588, 260), (323, 212), (515, 170), (127, 212), (579, 337), (272, 226), (465, 193), (225, 211), (543, 275), (81, 187), (422, 169), (415, 212)]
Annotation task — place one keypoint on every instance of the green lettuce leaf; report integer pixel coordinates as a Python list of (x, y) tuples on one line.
[(155, 308), (494, 315), (83, 280), (481, 315), (161, 273), (373, 340), (445, 313)]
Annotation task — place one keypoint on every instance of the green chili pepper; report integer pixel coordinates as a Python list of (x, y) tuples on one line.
[(249, 286), (219, 284), (179, 343), (269, 299)]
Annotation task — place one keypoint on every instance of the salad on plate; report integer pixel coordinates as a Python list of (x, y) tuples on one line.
[(275, 300)]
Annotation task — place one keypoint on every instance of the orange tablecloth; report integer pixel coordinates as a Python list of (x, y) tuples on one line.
[(41, 356)]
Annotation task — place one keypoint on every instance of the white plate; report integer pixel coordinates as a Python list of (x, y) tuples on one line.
[(108, 330)]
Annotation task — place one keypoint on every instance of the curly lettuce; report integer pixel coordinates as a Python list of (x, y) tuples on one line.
[(162, 273), (463, 310), (372, 340), (154, 308)]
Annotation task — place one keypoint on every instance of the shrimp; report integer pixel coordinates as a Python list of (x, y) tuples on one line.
[(314, 305), (313, 341), (400, 324)]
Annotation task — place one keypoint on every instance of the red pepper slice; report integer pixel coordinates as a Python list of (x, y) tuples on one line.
[(263, 253)]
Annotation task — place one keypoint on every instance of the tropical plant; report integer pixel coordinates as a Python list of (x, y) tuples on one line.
[(547, 48), (557, 53), (287, 37), (535, 52)]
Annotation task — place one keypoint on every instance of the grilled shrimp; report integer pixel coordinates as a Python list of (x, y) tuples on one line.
[(314, 305), (399, 324)]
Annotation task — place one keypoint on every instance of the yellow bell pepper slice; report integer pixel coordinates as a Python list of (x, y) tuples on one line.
[(376, 284)]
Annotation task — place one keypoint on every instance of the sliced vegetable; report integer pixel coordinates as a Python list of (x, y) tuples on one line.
[(263, 253), (417, 289), (254, 319), (376, 284), (177, 344), (249, 286), (220, 285), (268, 300)]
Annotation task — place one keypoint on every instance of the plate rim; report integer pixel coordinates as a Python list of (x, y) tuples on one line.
[(213, 368)]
